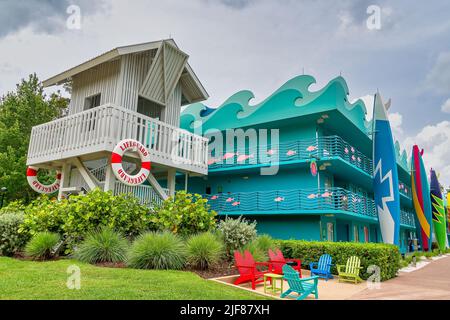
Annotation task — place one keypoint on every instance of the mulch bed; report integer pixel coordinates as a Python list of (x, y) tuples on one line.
[(222, 270)]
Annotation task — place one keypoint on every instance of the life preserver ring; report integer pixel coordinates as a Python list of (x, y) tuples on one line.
[(39, 187), (116, 162)]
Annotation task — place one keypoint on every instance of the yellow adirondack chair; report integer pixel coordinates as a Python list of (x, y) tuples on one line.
[(350, 272)]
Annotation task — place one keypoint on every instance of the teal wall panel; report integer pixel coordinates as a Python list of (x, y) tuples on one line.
[(289, 227)]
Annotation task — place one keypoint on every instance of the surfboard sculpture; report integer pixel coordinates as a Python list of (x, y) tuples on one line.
[(448, 215), (385, 176), (421, 200), (438, 212)]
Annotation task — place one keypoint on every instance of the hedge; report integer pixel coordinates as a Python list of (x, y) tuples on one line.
[(385, 256)]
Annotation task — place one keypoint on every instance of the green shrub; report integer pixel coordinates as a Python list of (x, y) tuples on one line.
[(11, 240), (204, 250), (258, 254), (259, 248), (154, 250), (385, 256), (185, 214), (105, 245), (13, 207), (265, 242), (81, 214), (42, 246), (236, 233), (44, 215)]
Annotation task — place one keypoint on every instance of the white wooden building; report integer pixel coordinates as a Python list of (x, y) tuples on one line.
[(133, 92)]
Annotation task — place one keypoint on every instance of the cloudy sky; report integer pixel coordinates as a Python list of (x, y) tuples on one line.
[(258, 45)]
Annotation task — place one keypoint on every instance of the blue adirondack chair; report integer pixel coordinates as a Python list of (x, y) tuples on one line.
[(322, 268), (303, 287)]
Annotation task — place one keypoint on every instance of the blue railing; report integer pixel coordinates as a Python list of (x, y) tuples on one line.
[(322, 148), (326, 201)]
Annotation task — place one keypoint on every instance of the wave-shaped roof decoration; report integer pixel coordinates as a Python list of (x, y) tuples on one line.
[(402, 157), (293, 99)]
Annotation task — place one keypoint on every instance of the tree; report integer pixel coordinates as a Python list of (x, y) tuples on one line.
[(20, 110)]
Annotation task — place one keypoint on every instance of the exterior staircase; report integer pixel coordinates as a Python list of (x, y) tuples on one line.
[(145, 193)]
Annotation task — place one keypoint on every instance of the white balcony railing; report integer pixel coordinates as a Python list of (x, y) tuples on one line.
[(101, 128)]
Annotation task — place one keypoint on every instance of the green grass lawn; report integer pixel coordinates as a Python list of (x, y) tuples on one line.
[(47, 280)]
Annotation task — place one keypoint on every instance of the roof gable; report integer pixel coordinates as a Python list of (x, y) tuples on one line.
[(193, 90)]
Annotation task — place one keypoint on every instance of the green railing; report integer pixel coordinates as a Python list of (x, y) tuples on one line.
[(326, 201), (322, 148)]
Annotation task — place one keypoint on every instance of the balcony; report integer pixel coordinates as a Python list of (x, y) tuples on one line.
[(405, 190), (407, 219), (93, 133), (335, 200), (323, 148)]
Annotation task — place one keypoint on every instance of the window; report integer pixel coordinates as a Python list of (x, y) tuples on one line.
[(208, 190), (149, 108), (355, 234), (330, 231), (366, 234), (92, 102)]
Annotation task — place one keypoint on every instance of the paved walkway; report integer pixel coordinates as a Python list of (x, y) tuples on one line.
[(429, 282)]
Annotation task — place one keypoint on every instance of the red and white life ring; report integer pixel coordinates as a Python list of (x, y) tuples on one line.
[(116, 162), (39, 187)]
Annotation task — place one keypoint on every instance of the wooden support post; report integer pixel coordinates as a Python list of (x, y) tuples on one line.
[(65, 178), (110, 179), (85, 174), (157, 187), (186, 180), (171, 181)]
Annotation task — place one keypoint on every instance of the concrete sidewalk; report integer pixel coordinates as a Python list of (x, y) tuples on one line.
[(328, 290), (427, 283)]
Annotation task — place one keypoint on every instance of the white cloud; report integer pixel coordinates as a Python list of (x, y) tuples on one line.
[(446, 106), (396, 120), (435, 140), (438, 79)]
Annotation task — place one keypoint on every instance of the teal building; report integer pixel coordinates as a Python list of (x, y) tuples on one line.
[(321, 145)]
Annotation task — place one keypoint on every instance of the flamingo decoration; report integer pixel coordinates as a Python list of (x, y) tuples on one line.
[(244, 157), (327, 194), (271, 152), (229, 155), (346, 150), (312, 196), (279, 199), (212, 161), (235, 204), (230, 200), (291, 153), (214, 197), (311, 148)]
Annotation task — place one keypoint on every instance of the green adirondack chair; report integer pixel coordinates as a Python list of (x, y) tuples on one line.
[(350, 272), (302, 286)]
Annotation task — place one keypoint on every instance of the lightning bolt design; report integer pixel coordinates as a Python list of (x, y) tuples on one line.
[(439, 210), (384, 213)]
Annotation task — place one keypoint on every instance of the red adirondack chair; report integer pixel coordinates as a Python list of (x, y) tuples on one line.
[(248, 269), (277, 261)]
